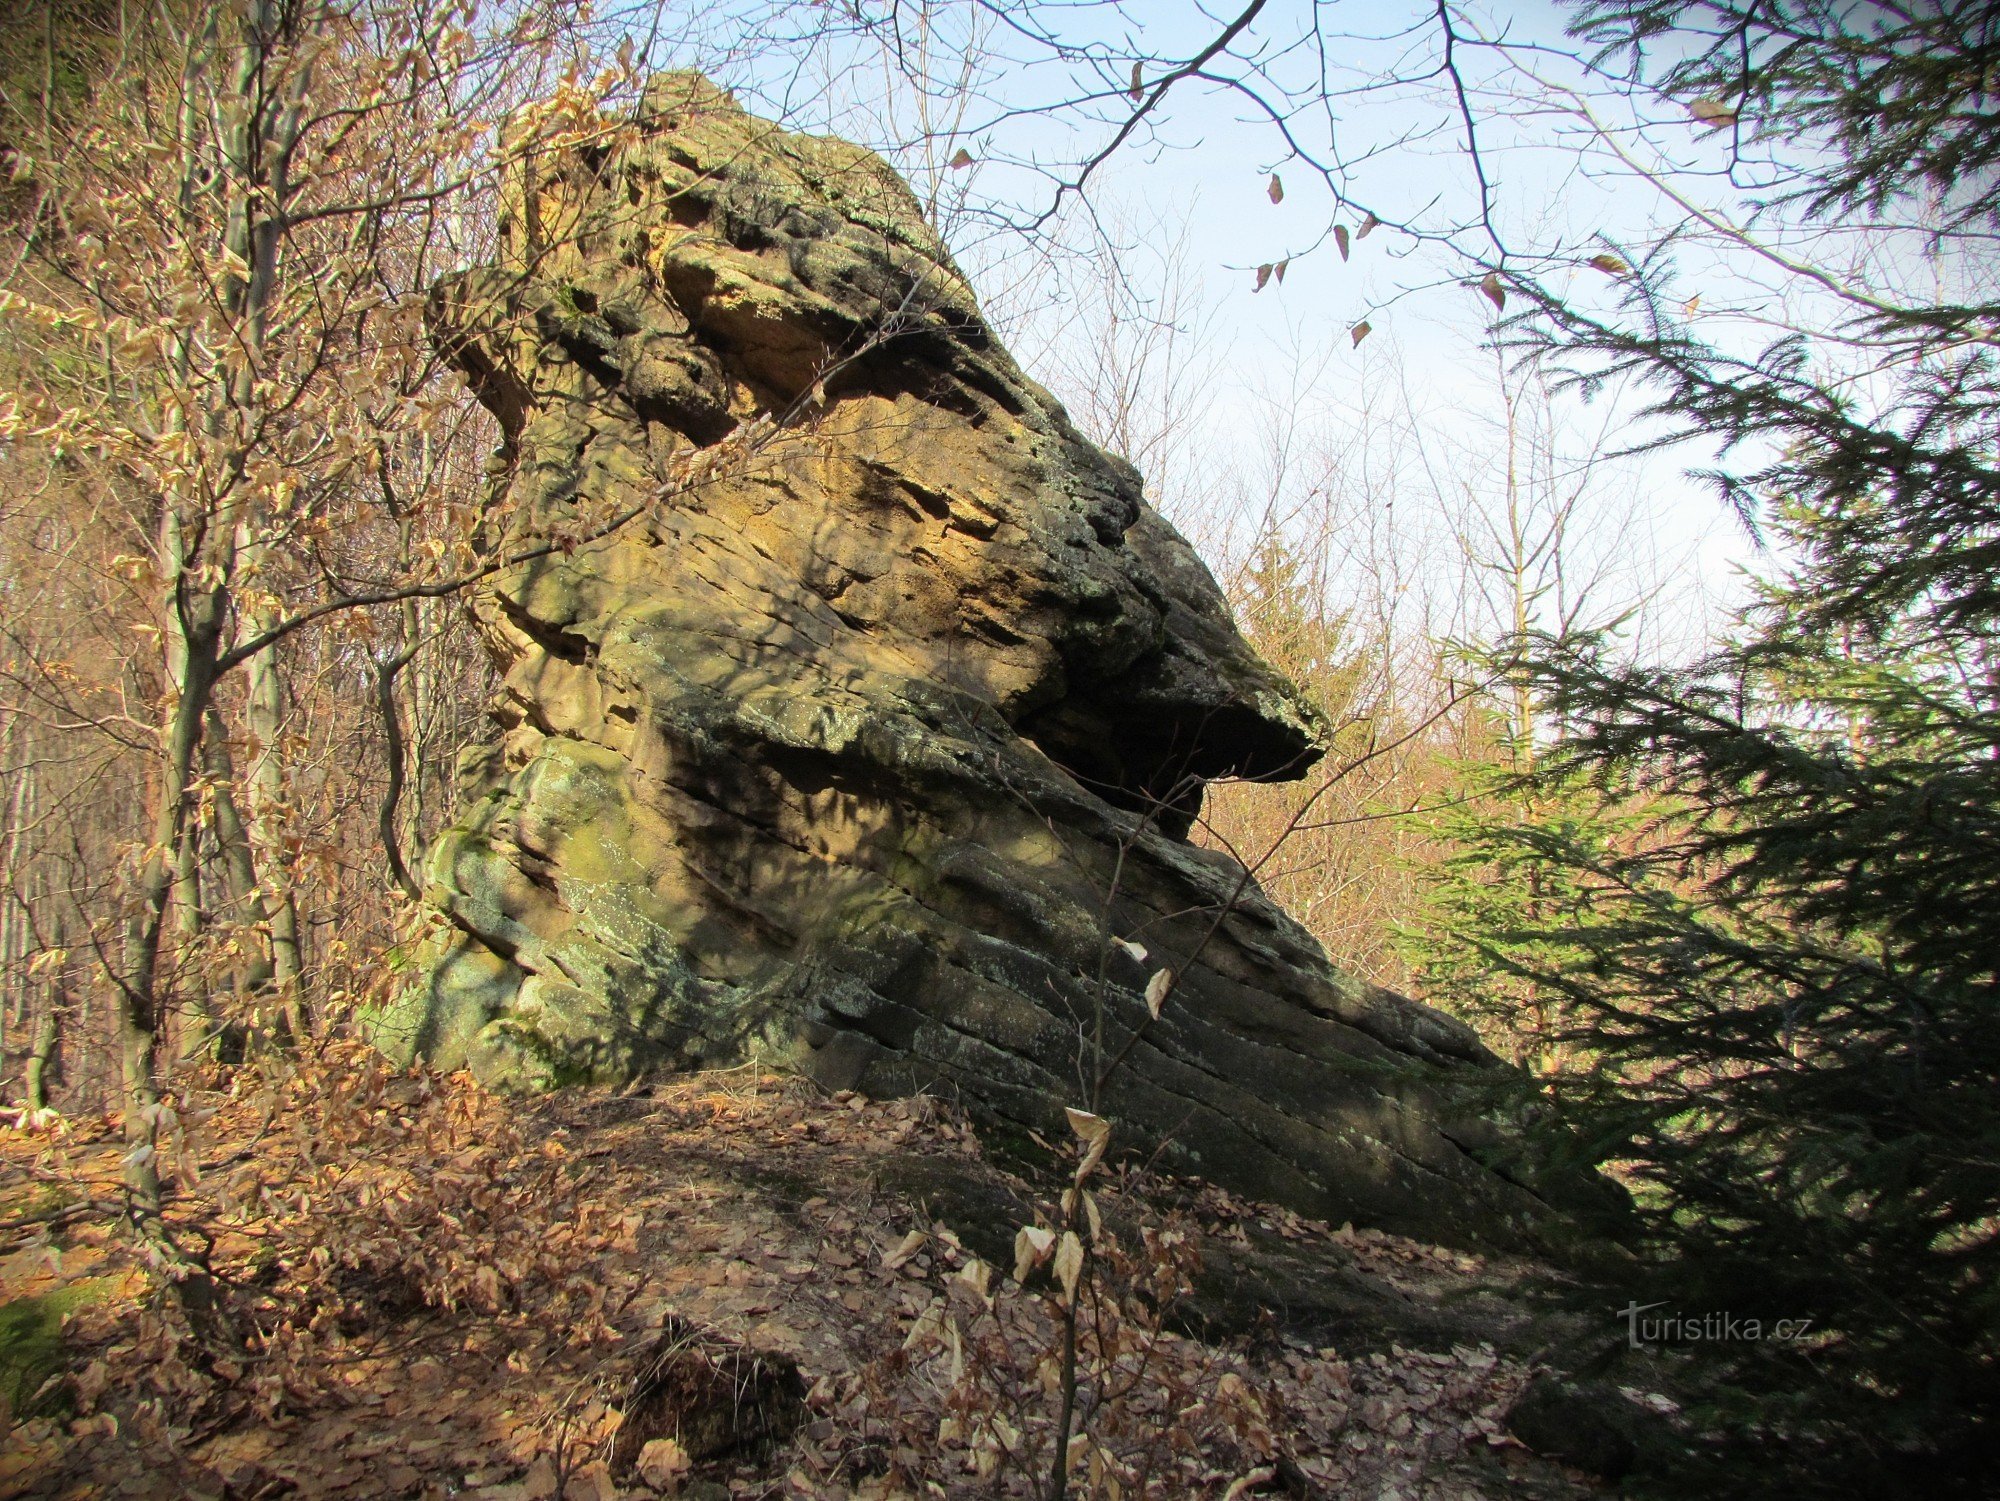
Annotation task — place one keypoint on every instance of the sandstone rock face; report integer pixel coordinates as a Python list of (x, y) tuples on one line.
[(885, 712)]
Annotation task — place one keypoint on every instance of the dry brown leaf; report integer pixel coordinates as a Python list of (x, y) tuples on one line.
[(1095, 1133), (1244, 1484), (1713, 113), (908, 1247), (1089, 1128), (977, 1276), (1032, 1245), (592, 1482), (539, 1484), (1069, 1264), (662, 1463)]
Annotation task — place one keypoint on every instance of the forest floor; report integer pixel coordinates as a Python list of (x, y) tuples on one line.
[(723, 1285)]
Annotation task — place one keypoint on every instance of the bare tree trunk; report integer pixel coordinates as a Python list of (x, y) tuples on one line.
[(197, 1019), (423, 731), (198, 1034), (42, 1065), (252, 981), (138, 979), (13, 917), (200, 617), (396, 753), (395, 748), (259, 145), (264, 715), (41, 1061)]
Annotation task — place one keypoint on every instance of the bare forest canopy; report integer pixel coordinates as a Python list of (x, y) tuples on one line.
[(486, 574)]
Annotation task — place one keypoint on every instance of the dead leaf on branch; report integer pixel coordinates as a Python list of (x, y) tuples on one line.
[(1095, 1133), (1713, 113), (1089, 1128), (1032, 1245), (1069, 1264)]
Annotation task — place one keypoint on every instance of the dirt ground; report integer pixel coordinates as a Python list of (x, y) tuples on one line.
[(722, 1285)]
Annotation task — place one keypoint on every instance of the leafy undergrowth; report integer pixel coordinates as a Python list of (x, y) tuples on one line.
[(721, 1286)]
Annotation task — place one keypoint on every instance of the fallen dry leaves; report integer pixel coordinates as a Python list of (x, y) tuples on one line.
[(436, 1292)]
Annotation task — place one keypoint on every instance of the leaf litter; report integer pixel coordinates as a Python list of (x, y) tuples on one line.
[(437, 1292)]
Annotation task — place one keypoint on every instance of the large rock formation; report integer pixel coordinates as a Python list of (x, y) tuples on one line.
[(883, 715)]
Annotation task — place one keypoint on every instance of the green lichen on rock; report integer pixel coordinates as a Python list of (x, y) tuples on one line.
[(890, 709)]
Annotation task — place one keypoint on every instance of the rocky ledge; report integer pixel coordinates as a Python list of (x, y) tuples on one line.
[(857, 708)]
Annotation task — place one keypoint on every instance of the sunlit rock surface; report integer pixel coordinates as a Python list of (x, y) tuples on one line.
[(883, 715)]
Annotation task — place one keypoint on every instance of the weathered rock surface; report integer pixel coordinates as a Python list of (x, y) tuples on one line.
[(888, 710)]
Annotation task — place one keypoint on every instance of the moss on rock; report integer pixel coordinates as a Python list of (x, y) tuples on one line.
[(888, 713)]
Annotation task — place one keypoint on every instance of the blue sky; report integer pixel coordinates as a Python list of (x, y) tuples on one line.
[(1201, 174)]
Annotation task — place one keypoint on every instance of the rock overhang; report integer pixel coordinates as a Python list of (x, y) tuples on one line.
[(882, 713)]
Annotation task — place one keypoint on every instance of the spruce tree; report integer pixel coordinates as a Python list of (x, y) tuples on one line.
[(1786, 987)]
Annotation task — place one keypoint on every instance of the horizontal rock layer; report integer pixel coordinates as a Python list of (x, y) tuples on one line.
[(854, 704)]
